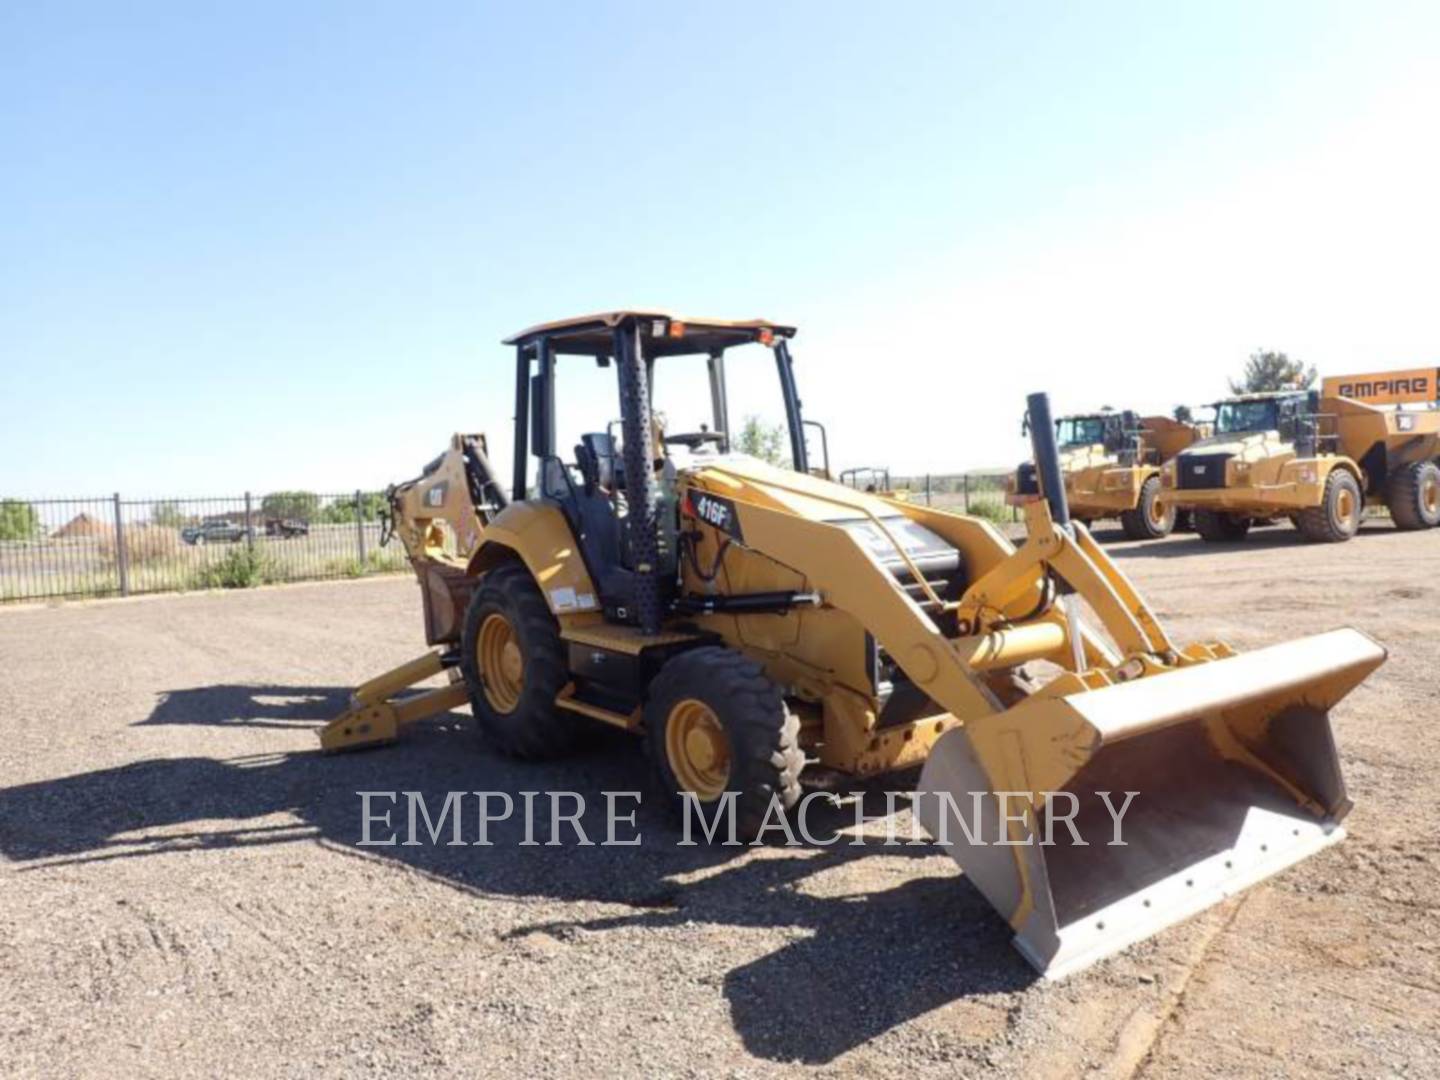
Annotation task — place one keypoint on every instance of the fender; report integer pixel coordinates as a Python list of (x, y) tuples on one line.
[(538, 535)]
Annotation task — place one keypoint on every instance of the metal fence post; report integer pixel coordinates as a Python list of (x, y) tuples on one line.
[(122, 557), (966, 500), (249, 523), (359, 531), (927, 489)]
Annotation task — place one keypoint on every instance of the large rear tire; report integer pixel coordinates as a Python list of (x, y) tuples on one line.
[(1147, 520), (514, 665), (716, 723), (1218, 528), (1413, 496), (1337, 518)]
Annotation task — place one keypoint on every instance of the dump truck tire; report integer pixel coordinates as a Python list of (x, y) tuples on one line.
[(715, 723), (1413, 496), (1337, 518), (1147, 521), (514, 665), (1218, 528)]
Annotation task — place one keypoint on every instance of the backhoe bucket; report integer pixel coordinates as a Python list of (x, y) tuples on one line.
[(1234, 773)]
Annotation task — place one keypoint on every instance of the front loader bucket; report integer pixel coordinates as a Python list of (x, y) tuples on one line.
[(1235, 777)]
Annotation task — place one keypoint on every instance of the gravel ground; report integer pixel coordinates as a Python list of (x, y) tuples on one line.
[(181, 890)]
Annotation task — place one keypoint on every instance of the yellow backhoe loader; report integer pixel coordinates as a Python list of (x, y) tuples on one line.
[(751, 622), (1316, 457), (1111, 463)]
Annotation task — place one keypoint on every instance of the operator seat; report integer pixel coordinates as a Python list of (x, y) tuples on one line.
[(596, 522)]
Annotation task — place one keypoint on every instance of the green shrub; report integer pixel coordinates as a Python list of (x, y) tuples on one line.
[(990, 509), (242, 567), (376, 562)]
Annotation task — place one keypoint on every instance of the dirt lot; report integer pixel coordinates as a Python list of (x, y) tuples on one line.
[(181, 893)]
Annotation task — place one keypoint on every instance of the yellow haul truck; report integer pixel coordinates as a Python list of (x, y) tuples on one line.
[(1111, 466), (751, 623), (1318, 458)]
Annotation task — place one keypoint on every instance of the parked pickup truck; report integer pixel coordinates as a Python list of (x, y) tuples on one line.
[(214, 531)]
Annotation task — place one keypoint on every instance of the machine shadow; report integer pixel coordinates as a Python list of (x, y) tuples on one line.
[(1188, 544), (861, 969), (251, 706)]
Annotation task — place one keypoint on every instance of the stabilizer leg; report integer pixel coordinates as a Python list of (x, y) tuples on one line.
[(374, 717)]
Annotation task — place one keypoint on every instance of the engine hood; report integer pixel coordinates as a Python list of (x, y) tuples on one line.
[(740, 476), (1088, 456), (1247, 446)]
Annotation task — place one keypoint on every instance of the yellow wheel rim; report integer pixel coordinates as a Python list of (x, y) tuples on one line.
[(1157, 514), (697, 748), (1430, 495), (1345, 506), (502, 666)]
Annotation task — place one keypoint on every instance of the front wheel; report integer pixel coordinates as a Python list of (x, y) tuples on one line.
[(1148, 520), (1337, 518), (716, 724), (1218, 528)]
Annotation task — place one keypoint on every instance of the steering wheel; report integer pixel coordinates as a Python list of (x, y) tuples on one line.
[(694, 439)]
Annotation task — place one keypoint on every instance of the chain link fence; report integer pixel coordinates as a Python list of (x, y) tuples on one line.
[(113, 546)]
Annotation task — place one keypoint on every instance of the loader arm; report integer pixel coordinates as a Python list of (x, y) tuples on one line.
[(952, 671)]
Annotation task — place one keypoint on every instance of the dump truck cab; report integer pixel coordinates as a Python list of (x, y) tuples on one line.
[(1316, 459), (1111, 466)]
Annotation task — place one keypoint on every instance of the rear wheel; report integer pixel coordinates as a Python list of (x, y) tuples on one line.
[(514, 665), (716, 723), (1337, 518), (1149, 520), (1218, 528), (1413, 496)]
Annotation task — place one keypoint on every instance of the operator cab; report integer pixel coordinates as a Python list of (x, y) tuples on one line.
[(619, 489), (1289, 413)]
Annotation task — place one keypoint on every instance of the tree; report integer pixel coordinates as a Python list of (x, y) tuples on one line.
[(1266, 370), (18, 520), (342, 510), (1183, 414), (762, 441), (290, 504), (168, 514)]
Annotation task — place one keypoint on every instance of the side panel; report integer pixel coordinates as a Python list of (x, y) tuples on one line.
[(1413, 386)]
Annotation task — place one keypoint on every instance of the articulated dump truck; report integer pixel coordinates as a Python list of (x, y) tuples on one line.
[(756, 625), (1316, 457), (1110, 462)]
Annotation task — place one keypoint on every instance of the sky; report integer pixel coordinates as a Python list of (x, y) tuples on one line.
[(266, 245)]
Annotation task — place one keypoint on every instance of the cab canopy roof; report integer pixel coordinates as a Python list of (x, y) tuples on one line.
[(664, 333), (1262, 395), (1098, 414)]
